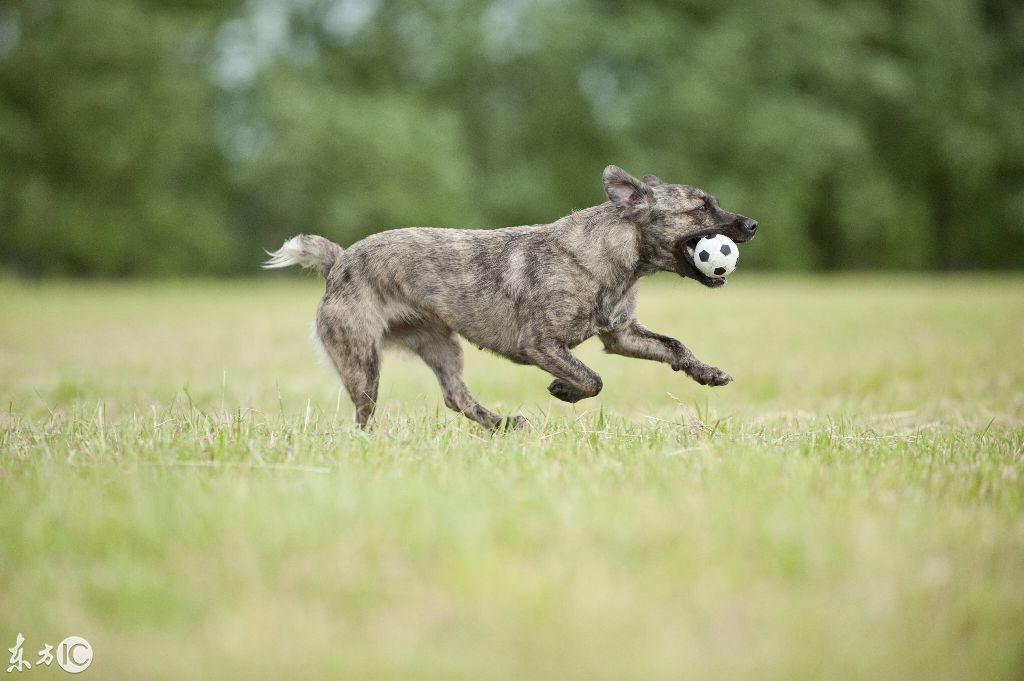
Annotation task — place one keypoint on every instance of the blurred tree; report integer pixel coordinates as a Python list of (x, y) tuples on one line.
[(109, 162), (159, 136), (348, 164)]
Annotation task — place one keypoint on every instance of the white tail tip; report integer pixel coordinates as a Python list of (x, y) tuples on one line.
[(289, 254)]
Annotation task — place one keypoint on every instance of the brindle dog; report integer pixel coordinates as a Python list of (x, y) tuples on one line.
[(529, 294)]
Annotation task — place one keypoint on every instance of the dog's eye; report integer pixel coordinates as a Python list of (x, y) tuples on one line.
[(702, 207)]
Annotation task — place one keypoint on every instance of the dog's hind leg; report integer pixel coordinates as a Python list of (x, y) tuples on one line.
[(360, 373), (441, 351), (355, 353)]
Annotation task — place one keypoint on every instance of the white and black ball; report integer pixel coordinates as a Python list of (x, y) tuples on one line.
[(716, 256)]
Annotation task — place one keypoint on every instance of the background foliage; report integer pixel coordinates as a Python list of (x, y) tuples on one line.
[(182, 136)]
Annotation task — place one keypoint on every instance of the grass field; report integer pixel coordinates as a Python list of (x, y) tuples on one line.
[(180, 485)]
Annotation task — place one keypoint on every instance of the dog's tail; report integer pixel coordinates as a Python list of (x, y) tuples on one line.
[(308, 250)]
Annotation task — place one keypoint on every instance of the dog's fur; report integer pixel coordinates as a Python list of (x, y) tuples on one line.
[(529, 294)]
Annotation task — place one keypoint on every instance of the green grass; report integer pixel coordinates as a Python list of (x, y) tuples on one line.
[(180, 485)]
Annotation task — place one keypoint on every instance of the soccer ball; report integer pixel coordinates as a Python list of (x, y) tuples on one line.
[(715, 256)]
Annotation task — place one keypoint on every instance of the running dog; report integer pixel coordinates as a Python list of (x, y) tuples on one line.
[(529, 294)]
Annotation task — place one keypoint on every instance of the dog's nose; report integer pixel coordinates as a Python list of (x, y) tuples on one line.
[(750, 226)]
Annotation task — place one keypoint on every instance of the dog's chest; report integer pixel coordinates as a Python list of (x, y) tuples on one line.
[(612, 308)]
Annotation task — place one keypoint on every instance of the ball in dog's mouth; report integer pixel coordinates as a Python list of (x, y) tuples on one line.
[(684, 252), (715, 255)]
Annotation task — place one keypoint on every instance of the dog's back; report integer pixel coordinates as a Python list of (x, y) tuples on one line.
[(493, 287)]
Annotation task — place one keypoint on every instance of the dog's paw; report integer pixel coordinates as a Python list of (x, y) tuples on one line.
[(709, 375), (565, 391), (512, 423)]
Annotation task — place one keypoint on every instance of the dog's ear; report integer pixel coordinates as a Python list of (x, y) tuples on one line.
[(634, 198), (653, 180)]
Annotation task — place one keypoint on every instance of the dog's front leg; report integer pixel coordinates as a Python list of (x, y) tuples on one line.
[(574, 380), (638, 341)]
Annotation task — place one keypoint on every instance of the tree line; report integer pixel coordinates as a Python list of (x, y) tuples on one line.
[(164, 137)]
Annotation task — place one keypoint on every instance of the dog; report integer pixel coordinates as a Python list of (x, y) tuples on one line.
[(529, 294)]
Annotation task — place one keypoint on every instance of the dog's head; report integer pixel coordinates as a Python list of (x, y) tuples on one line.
[(672, 218)]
